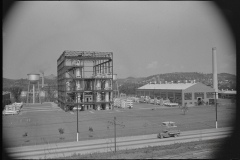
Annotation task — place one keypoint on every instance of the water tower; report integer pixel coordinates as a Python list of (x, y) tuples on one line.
[(33, 79)]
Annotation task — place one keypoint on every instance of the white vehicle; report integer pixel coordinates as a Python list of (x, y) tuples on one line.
[(170, 104), (5, 112), (77, 108), (168, 124), (151, 101), (158, 102)]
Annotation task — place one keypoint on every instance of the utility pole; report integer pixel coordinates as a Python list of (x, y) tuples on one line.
[(77, 111), (76, 96), (115, 132), (115, 139), (216, 108)]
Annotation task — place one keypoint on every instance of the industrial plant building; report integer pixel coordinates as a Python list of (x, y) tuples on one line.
[(181, 93), (225, 94), (187, 93), (85, 80)]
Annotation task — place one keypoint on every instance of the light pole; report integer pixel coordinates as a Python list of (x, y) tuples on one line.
[(216, 108), (154, 94), (115, 139), (76, 96), (77, 109)]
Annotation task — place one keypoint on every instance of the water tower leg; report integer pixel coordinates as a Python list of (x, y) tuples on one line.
[(117, 90), (33, 93), (28, 91), (38, 93)]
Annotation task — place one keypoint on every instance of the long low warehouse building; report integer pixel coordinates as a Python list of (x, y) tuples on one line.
[(181, 93)]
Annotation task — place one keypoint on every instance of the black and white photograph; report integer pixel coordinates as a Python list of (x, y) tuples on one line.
[(118, 80)]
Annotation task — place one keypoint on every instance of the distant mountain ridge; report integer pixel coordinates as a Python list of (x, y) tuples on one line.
[(49, 80), (177, 76), (52, 76), (130, 84), (225, 80)]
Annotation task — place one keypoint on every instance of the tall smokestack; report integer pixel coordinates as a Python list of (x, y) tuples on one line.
[(42, 79), (214, 70)]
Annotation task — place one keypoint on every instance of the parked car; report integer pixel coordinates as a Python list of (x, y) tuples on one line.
[(142, 100), (169, 130), (77, 108), (151, 101)]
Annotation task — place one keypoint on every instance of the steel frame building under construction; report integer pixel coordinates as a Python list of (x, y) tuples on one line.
[(85, 79)]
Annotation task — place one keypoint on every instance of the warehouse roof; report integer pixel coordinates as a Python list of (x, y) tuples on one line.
[(174, 86)]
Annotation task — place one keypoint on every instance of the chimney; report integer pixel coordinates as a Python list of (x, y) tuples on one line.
[(214, 70)]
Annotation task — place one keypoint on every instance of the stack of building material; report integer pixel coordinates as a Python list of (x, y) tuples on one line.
[(158, 102), (11, 109), (18, 104), (161, 102), (129, 103), (137, 100), (117, 102), (151, 101), (123, 103), (166, 102)]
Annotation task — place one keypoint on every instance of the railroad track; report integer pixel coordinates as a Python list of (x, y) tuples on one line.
[(107, 145)]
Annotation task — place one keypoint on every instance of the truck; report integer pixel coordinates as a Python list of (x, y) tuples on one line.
[(169, 130)]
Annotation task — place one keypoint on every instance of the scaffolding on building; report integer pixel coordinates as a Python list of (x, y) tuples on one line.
[(85, 79)]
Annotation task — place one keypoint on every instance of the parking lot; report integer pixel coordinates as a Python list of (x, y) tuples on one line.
[(40, 123)]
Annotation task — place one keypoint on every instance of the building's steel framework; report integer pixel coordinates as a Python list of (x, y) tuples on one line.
[(85, 79)]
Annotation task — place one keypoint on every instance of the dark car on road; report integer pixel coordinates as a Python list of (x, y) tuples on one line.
[(169, 130)]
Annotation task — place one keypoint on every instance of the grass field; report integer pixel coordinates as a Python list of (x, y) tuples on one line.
[(41, 122)]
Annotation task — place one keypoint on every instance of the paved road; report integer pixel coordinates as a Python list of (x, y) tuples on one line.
[(106, 145)]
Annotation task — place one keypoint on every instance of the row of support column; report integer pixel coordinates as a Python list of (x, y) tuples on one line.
[(164, 94), (34, 93), (160, 93)]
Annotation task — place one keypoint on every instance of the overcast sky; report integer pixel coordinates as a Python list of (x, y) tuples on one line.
[(146, 38)]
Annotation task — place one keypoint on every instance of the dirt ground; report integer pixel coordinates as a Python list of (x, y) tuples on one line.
[(196, 150)]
